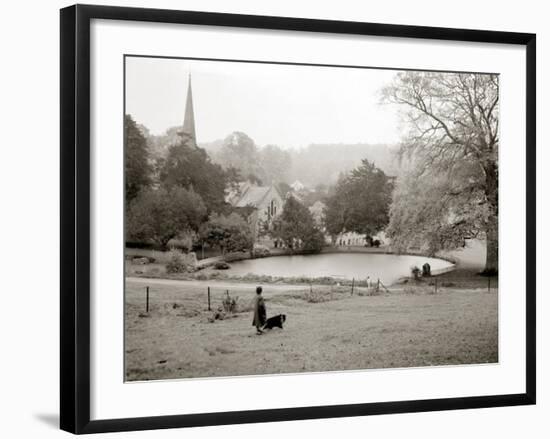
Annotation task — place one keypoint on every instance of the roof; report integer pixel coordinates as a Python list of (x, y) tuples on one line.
[(249, 195), (294, 195), (253, 196)]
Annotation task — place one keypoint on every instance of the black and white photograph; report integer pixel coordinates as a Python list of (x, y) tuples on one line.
[(288, 218), (275, 219)]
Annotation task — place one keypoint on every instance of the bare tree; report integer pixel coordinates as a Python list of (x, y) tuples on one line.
[(453, 123)]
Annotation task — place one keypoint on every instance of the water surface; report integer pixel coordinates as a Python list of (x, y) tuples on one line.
[(387, 268)]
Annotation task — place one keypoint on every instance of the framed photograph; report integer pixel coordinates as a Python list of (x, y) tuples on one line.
[(274, 218)]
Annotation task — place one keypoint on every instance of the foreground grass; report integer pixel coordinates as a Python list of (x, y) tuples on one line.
[(325, 331)]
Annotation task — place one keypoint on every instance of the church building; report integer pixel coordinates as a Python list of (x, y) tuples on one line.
[(188, 132), (264, 203)]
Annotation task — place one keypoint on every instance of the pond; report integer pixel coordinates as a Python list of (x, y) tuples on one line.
[(386, 267)]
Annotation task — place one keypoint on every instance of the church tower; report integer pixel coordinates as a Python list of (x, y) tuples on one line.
[(188, 132)]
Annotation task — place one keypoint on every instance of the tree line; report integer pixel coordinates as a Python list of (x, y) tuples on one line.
[(178, 196)]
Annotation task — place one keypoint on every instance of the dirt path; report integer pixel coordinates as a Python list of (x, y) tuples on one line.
[(214, 283)]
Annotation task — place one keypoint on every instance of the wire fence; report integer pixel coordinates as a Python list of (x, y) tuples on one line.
[(216, 298), (436, 284)]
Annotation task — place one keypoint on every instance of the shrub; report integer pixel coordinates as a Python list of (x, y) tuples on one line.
[(415, 271), (183, 241), (231, 233), (176, 262), (221, 265), (376, 243), (230, 303), (159, 215), (316, 296), (260, 251)]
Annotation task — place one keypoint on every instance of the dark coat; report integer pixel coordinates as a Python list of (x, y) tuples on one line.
[(259, 311)]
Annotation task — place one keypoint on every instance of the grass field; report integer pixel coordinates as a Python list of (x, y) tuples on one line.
[(325, 331)]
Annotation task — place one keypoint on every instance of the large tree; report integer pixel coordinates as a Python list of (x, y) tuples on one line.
[(190, 167), (275, 164), (296, 228), (230, 233), (158, 215), (240, 152), (425, 213), (359, 202), (452, 144), (137, 170), (159, 144)]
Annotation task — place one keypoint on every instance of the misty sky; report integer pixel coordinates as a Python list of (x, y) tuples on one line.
[(289, 106)]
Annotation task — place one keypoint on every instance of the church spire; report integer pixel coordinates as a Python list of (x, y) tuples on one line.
[(188, 131)]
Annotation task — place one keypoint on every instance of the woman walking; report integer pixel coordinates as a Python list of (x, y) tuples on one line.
[(259, 311)]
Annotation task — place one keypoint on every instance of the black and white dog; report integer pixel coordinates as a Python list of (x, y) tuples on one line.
[(275, 322)]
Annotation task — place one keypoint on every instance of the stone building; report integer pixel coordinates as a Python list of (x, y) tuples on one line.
[(264, 203), (350, 239)]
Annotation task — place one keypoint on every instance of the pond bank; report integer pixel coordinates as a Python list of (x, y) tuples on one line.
[(338, 272)]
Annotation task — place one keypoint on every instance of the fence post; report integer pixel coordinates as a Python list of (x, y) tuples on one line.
[(436, 285), (488, 284), (310, 289), (209, 309), (378, 285), (147, 299), (352, 285)]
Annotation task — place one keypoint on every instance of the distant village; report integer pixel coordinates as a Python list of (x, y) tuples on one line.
[(268, 202)]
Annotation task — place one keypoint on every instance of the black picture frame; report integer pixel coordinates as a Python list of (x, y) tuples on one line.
[(75, 217)]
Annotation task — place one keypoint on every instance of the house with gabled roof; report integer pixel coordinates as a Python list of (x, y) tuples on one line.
[(264, 203)]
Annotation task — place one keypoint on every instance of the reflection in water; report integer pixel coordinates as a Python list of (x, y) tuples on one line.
[(387, 268)]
